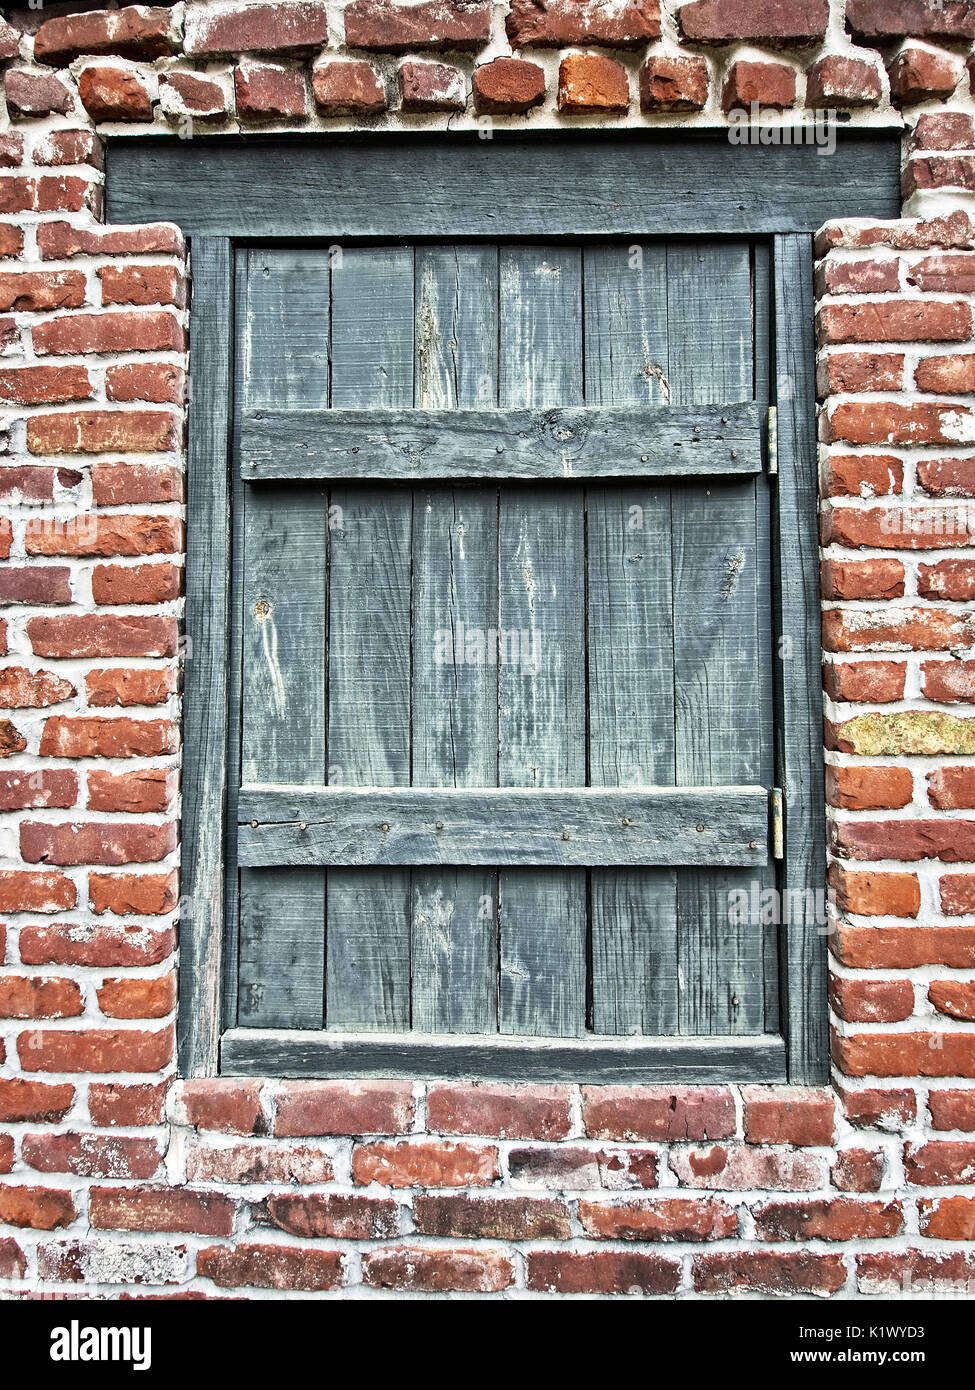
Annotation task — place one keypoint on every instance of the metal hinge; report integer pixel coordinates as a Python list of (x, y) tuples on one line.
[(776, 802), (772, 427)]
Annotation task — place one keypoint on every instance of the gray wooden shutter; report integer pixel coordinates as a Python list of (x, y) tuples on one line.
[(560, 442)]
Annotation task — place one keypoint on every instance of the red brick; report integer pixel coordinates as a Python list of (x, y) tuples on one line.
[(896, 321), (138, 998), (397, 28), (44, 385), (137, 31), (11, 150), (34, 482), (34, 94), (34, 1101), (11, 739), (507, 86), (944, 272), (874, 682), (844, 372), (106, 738), (497, 1218), (344, 1107), (336, 1215), (888, 422), (680, 1218), (95, 842), (954, 375), (863, 475), (864, 788), (911, 1272), (592, 82), (674, 83), (102, 635), (956, 998), (23, 689), (95, 534), (951, 477), (771, 86), (952, 788), (425, 1163), (115, 484), (948, 681), (104, 1049), (940, 1163), (11, 240), (135, 583), (768, 1273), (147, 895), (113, 1103), (431, 87), (155, 330), (742, 1169), (127, 687), (943, 130), (921, 629), (903, 948), (502, 1111), (952, 1109), (874, 894), (787, 22), (869, 276), (25, 997), (838, 1219), (416, 1270), (844, 82), (63, 147), (951, 841), (89, 1262), (604, 1271), (6, 1166), (858, 1170), (92, 1155), (36, 1208), (917, 74), (141, 792), (268, 91), (922, 19), (561, 23), (871, 1001), (191, 94), (953, 580), (787, 1115), (58, 241), (17, 194), (225, 1106), (161, 1209), (36, 291), (114, 94), (563, 1166), (257, 1163), (23, 891), (948, 1218), (142, 284), (282, 1267), (906, 1054), (957, 894), (344, 87), (275, 26), (891, 1111), (658, 1112), (13, 1261), (98, 431), (9, 40), (96, 946)]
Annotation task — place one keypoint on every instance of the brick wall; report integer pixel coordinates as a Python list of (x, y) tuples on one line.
[(117, 1175)]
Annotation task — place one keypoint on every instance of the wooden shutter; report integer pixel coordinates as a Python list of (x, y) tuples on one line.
[(532, 847)]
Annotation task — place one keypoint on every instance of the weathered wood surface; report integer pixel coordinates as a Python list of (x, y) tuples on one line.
[(567, 442), (503, 825), (629, 184), (589, 1060)]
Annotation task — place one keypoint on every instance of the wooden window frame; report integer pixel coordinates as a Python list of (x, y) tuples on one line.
[(225, 193)]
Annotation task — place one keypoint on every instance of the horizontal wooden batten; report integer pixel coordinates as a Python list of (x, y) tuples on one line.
[(587, 1060), (502, 826), (626, 183), (577, 443)]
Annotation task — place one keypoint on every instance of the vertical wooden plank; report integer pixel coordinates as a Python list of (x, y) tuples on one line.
[(207, 626), (455, 601), (631, 644), (283, 349), (721, 639), (368, 938), (542, 639), (798, 694)]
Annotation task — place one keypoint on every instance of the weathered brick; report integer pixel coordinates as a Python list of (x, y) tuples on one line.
[(115, 1103), (282, 1267), (36, 1208), (127, 687), (740, 1168), (836, 1219), (658, 1112), (257, 1163), (684, 1219), (891, 1111), (136, 31), (788, 22), (95, 842), (138, 998), (952, 1109), (95, 946), (399, 28), (950, 477), (22, 996), (863, 475), (225, 1106), (787, 1115), (498, 1218), (101, 431), (24, 689), (592, 82), (507, 86), (674, 83), (502, 1111), (155, 330), (24, 891), (106, 738), (875, 894), (769, 86), (431, 87), (906, 1054), (956, 998), (858, 1170), (769, 1273), (604, 1271), (565, 1167), (34, 1101), (276, 26), (44, 385), (161, 1209), (595, 23), (348, 87), (839, 81), (335, 1214), (267, 91), (871, 1001), (873, 682), (92, 1155), (103, 1049), (952, 788), (114, 94), (425, 1163), (859, 788), (32, 94), (922, 19), (144, 894), (422, 1270), (895, 321), (40, 291), (918, 74), (344, 1107), (143, 791)]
